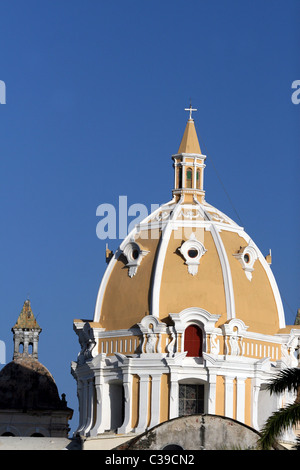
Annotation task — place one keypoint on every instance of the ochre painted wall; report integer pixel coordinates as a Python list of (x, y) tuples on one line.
[(135, 401), (181, 290), (254, 300), (220, 396), (126, 300), (165, 394)]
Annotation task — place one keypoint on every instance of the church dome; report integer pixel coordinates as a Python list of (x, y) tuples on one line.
[(188, 254), (25, 384), (188, 318)]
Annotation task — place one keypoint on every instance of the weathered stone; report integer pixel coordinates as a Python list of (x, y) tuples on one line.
[(197, 432)]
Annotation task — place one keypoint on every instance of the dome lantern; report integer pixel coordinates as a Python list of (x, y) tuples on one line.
[(189, 164)]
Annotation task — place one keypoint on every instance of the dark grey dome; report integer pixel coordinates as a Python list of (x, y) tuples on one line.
[(25, 384)]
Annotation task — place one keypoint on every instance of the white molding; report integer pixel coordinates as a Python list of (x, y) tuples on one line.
[(155, 399), (143, 403), (229, 395), (234, 323), (132, 262), (227, 278), (226, 271), (189, 155), (159, 261), (249, 252), (101, 333), (194, 315), (192, 244)]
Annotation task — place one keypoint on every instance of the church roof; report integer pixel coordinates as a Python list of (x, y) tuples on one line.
[(190, 142), (26, 319), (26, 384)]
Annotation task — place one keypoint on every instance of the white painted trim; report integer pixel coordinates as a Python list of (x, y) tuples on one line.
[(211, 393), (159, 261), (174, 392), (189, 155), (90, 406), (117, 333), (195, 315), (155, 400), (143, 403), (190, 244), (226, 271), (228, 396), (240, 399), (228, 284), (248, 267), (98, 425)]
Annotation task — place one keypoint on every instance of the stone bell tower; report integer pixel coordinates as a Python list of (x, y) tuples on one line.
[(26, 333)]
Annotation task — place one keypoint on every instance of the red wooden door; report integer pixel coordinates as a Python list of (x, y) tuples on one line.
[(193, 341)]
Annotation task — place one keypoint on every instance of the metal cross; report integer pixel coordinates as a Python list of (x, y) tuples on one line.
[(190, 109)]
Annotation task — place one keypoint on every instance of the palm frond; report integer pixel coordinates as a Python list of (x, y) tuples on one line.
[(297, 444), (277, 423), (288, 379)]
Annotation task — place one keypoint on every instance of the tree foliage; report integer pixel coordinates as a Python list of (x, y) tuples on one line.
[(278, 422)]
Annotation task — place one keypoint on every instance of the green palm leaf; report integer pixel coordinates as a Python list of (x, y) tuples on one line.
[(288, 379), (279, 422)]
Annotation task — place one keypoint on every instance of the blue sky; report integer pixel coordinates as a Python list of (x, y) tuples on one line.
[(95, 98)]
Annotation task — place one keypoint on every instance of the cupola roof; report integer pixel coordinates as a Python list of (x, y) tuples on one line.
[(190, 142), (26, 319)]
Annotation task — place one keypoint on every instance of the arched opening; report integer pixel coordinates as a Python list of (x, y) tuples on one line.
[(189, 175), (193, 341), (116, 396), (37, 434), (8, 434), (173, 447), (30, 348), (179, 177), (21, 348), (198, 175)]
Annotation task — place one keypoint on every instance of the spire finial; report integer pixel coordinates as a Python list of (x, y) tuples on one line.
[(190, 109)]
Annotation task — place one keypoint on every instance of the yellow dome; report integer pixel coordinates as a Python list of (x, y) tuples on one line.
[(232, 279), (189, 254)]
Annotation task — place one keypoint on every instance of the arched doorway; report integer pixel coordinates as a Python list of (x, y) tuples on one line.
[(173, 447), (193, 340)]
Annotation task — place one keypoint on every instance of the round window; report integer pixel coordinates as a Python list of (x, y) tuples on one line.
[(193, 253)]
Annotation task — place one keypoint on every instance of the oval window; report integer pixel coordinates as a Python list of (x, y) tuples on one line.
[(246, 258), (135, 254)]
